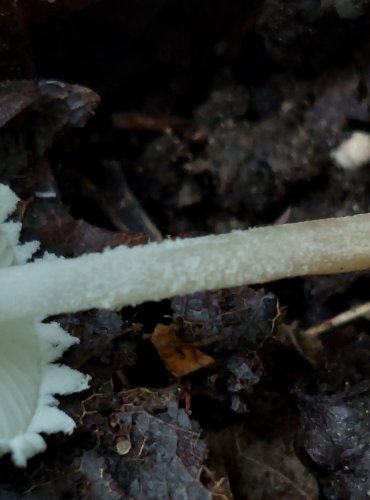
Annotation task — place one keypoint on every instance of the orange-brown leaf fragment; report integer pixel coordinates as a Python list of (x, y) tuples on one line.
[(179, 358)]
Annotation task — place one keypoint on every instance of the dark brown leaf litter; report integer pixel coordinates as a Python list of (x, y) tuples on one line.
[(146, 446), (244, 156), (259, 455), (335, 432), (226, 320), (334, 408), (166, 456), (51, 224), (231, 326), (32, 113)]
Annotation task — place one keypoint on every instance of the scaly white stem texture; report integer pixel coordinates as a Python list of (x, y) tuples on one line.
[(129, 276)]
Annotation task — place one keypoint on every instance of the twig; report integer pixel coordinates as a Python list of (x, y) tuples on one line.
[(360, 311)]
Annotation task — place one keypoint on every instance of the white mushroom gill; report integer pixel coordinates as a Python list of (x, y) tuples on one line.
[(28, 377)]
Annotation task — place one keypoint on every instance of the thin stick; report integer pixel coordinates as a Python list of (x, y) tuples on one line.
[(339, 320)]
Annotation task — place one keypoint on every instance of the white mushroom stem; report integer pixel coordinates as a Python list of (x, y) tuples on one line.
[(129, 276)]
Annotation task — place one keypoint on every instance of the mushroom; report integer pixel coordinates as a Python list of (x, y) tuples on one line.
[(29, 378), (129, 276)]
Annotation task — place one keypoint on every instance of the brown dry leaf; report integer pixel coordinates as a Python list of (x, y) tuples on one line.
[(45, 218), (61, 234), (180, 358)]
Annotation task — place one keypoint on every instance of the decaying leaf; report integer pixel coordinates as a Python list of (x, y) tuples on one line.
[(228, 320), (167, 457), (232, 325), (43, 108), (259, 455), (111, 195), (180, 358), (272, 470), (61, 234), (16, 96)]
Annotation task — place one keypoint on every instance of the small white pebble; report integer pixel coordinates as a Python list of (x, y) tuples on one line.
[(123, 446), (354, 152)]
